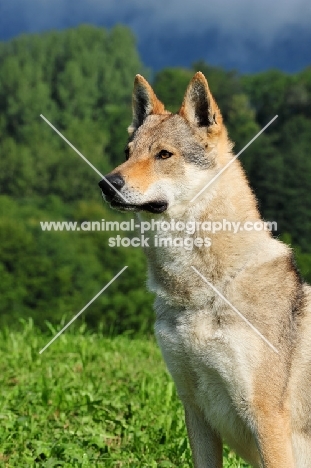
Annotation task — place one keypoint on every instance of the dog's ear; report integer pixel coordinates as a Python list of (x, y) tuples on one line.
[(199, 106), (144, 103)]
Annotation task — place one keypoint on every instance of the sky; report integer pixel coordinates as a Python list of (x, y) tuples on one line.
[(246, 35)]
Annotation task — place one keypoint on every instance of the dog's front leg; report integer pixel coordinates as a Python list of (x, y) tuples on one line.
[(205, 444), (274, 440)]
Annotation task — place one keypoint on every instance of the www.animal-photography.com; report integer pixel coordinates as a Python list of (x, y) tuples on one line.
[(155, 223)]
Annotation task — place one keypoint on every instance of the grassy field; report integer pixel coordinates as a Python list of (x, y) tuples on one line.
[(89, 401)]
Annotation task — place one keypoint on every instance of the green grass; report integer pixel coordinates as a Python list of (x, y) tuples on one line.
[(89, 401)]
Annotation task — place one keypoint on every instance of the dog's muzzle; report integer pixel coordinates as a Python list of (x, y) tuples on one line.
[(111, 185)]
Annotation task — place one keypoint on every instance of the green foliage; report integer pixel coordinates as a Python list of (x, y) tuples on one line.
[(47, 275), (279, 162), (268, 92), (81, 80), (89, 401), (170, 85)]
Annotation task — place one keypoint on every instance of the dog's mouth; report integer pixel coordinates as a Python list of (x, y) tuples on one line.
[(151, 207), (110, 187)]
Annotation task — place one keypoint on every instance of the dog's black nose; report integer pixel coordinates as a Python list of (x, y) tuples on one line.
[(110, 183)]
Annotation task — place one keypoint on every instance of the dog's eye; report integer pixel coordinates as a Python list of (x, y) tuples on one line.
[(127, 153), (164, 154)]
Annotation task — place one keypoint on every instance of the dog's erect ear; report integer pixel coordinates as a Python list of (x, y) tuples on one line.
[(199, 106), (144, 103)]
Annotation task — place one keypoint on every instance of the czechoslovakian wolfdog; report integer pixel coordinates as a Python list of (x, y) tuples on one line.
[(233, 385)]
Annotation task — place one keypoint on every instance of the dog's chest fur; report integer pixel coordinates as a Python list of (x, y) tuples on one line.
[(209, 369)]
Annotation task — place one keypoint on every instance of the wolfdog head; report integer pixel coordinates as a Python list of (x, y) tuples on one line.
[(169, 157)]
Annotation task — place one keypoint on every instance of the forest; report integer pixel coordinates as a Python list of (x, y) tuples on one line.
[(81, 80)]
